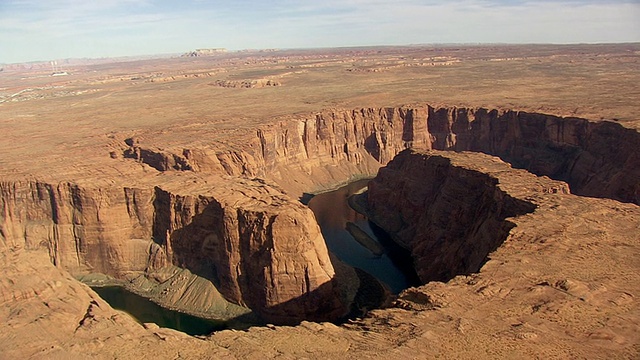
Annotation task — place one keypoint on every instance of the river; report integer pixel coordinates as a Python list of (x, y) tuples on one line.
[(333, 213), (389, 264), (146, 311)]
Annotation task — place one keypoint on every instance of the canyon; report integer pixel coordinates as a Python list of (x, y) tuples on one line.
[(596, 159), (205, 217), (213, 230)]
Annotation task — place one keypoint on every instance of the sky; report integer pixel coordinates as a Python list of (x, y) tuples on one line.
[(42, 30)]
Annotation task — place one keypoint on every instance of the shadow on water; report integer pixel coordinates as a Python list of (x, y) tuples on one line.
[(394, 267), (146, 311), (400, 257)]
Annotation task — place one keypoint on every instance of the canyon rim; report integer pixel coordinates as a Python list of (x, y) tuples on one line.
[(519, 206)]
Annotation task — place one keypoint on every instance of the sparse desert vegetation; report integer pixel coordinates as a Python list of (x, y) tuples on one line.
[(181, 178)]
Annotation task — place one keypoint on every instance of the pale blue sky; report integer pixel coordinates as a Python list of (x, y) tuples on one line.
[(57, 29)]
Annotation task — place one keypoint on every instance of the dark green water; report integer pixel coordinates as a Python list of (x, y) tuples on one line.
[(394, 267), (146, 311)]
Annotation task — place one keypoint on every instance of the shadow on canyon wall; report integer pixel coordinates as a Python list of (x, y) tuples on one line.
[(597, 159), (449, 217), (277, 274)]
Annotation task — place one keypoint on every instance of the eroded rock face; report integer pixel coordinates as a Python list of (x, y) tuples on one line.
[(105, 230), (304, 153), (595, 159), (450, 217), (260, 248)]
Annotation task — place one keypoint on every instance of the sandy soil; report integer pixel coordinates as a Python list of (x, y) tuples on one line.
[(564, 285)]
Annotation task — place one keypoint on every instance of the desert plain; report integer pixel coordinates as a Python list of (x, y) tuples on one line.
[(182, 177)]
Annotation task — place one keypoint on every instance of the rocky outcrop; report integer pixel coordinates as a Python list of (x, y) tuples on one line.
[(205, 52), (158, 159), (260, 248), (301, 154), (46, 314), (450, 216), (246, 84)]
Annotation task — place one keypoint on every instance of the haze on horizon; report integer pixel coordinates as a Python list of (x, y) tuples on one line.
[(35, 30)]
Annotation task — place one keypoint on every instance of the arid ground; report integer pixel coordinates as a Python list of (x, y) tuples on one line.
[(565, 283)]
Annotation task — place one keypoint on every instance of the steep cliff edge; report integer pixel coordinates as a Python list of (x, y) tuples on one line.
[(564, 283), (597, 159), (316, 151), (260, 249), (302, 153), (84, 229), (450, 217)]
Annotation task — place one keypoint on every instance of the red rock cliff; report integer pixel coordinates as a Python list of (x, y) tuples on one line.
[(450, 217), (596, 159), (84, 229), (260, 248)]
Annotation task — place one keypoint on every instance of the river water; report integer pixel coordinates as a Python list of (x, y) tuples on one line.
[(333, 212), (393, 267), (146, 311)]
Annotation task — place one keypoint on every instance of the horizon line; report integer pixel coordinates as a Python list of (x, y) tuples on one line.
[(150, 56)]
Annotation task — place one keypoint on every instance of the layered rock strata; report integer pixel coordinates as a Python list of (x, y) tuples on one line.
[(596, 159), (450, 217), (105, 230), (260, 248), (564, 283)]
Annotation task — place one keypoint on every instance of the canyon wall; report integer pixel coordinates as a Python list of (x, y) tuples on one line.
[(597, 159), (84, 229), (272, 259), (450, 217), (260, 249), (300, 154)]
